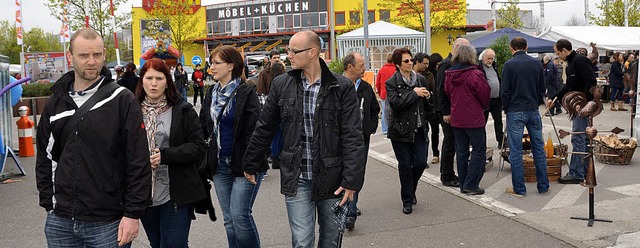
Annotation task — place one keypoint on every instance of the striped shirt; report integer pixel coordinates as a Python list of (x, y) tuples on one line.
[(308, 110)]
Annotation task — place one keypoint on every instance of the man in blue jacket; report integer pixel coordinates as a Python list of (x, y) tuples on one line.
[(522, 91)]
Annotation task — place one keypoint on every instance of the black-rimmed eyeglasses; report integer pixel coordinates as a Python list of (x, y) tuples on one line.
[(290, 51)]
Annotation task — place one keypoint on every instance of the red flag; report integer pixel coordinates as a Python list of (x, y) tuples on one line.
[(19, 21)]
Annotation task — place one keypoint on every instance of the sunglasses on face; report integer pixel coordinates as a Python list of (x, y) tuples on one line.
[(407, 61)]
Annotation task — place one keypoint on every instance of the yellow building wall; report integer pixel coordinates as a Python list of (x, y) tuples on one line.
[(138, 13), (439, 43)]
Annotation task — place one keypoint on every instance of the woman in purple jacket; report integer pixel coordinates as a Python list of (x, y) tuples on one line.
[(470, 93)]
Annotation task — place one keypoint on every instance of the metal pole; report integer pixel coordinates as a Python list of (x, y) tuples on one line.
[(86, 13), (427, 26), (332, 26), (365, 21), (626, 13), (586, 12), (493, 15), (66, 63), (541, 12), (115, 35)]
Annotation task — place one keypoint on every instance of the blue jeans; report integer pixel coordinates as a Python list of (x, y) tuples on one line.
[(470, 172), (183, 93), (63, 232), (516, 121), (384, 124), (617, 93), (301, 211), (353, 205), (277, 143), (167, 225), (236, 196), (412, 160), (577, 165)]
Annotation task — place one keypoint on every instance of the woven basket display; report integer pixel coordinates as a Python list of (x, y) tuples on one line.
[(624, 154)]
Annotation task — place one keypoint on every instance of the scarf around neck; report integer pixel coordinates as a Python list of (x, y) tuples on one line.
[(150, 113)]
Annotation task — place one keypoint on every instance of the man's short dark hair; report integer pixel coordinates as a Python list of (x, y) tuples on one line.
[(420, 57), (274, 52), (86, 33), (397, 55), (518, 43), (389, 58), (563, 43), (350, 59)]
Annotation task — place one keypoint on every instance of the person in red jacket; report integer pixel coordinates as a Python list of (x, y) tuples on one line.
[(198, 84), (384, 74), (470, 93)]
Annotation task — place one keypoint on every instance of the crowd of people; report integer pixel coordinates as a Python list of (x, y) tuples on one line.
[(110, 158)]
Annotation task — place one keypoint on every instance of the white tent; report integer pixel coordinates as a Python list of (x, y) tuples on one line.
[(608, 38), (384, 37)]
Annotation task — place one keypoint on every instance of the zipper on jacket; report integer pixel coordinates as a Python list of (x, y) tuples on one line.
[(75, 178)]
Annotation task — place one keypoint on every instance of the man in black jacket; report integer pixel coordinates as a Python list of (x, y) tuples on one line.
[(95, 183), (353, 65), (580, 77), (321, 158), (443, 105)]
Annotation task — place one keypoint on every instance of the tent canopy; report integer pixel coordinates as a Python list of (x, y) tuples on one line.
[(382, 30), (609, 38), (535, 45)]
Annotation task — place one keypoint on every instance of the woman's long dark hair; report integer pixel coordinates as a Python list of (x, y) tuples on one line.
[(433, 62), (173, 97)]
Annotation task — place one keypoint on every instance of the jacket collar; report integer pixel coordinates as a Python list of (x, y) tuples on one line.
[(61, 87), (326, 76)]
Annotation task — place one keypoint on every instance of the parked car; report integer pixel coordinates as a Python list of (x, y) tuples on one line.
[(253, 70)]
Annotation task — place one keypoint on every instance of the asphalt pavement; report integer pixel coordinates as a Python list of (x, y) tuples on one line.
[(442, 218)]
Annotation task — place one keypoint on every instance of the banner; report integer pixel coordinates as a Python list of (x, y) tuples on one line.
[(64, 29), (19, 21)]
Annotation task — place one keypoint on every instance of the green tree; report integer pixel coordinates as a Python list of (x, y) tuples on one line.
[(183, 24), (509, 15), (8, 42), (501, 47), (612, 13), (41, 41), (412, 11)]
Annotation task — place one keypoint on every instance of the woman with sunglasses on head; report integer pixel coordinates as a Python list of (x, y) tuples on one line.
[(229, 115), (175, 145), (408, 99)]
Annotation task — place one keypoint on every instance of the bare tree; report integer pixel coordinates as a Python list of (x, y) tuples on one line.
[(575, 21)]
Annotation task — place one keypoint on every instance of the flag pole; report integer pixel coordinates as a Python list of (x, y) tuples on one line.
[(86, 13), (19, 33), (115, 35)]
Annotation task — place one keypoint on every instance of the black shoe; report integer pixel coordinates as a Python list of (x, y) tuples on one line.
[(452, 183), (415, 200), (569, 180), (478, 191), (407, 209), (358, 213), (275, 164), (350, 223)]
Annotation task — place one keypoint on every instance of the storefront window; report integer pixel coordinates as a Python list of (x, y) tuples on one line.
[(227, 26), (313, 19), (249, 25), (243, 26), (372, 16), (280, 22), (323, 19), (265, 22), (288, 21), (209, 28), (384, 15), (340, 19), (296, 20), (256, 23)]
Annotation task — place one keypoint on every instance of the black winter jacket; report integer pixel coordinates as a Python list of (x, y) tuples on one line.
[(102, 172), (129, 81), (441, 102), (337, 136), (247, 111), (186, 146), (580, 76), (369, 107), (406, 107)]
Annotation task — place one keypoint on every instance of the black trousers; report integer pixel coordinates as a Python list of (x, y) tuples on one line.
[(434, 125), (448, 153), (495, 108), (198, 91)]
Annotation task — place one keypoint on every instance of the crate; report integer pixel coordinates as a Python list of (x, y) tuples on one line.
[(624, 154), (554, 169)]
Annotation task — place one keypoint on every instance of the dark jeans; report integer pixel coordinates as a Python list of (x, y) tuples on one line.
[(412, 160), (167, 225), (495, 108), (470, 172), (198, 91), (516, 122), (434, 125), (63, 232), (353, 206), (448, 152)]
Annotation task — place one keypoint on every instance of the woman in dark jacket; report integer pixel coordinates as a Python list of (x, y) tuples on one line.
[(229, 115), (175, 145), (616, 82), (182, 81), (470, 94), (408, 124), (129, 80)]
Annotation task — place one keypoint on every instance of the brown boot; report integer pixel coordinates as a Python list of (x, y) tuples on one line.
[(621, 106), (613, 106)]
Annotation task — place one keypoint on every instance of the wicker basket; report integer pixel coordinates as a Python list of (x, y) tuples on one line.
[(624, 154)]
